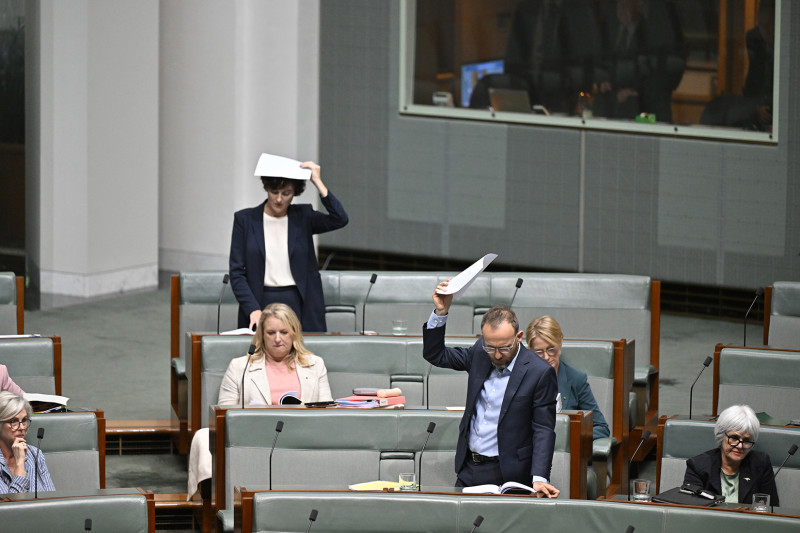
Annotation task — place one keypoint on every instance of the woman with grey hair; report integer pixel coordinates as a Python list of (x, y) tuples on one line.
[(19, 461), (734, 469)]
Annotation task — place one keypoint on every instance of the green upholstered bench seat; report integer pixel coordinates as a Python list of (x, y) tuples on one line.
[(109, 513)]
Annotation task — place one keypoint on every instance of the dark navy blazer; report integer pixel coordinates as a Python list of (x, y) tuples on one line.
[(248, 256), (526, 430), (755, 474), (576, 394)]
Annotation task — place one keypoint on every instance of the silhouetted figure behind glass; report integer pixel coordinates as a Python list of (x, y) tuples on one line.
[(646, 60), (752, 110), (535, 50)]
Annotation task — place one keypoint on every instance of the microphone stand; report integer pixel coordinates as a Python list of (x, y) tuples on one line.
[(39, 437), (759, 292), (428, 388), (225, 279), (477, 523), (645, 436), (518, 285), (250, 352), (791, 453), (431, 427), (372, 280), (311, 519), (278, 429), (691, 389)]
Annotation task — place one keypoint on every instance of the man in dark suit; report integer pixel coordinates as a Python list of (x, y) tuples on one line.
[(508, 429)]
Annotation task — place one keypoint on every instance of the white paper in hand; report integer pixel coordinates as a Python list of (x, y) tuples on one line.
[(281, 167), (461, 282)]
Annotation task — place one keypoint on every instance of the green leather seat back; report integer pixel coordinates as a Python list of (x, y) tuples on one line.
[(109, 514), (784, 322), (70, 448), (766, 380), (8, 303), (216, 354), (30, 363)]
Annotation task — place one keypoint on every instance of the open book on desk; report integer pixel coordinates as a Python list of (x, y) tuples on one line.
[(46, 403), (509, 487)]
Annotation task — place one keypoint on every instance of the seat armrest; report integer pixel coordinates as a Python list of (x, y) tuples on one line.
[(178, 366), (601, 448)]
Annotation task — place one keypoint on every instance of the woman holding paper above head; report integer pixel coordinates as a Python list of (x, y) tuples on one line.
[(272, 255)]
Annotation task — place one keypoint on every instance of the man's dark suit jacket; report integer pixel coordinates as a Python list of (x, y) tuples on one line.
[(526, 430), (247, 258), (755, 474)]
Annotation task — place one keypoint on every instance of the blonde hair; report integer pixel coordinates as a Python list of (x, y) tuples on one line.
[(545, 327), (285, 314), (11, 404)]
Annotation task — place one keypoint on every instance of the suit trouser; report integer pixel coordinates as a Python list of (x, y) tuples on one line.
[(472, 473)]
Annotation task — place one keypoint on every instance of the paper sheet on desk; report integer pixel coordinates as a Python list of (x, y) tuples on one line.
[(462, 281)]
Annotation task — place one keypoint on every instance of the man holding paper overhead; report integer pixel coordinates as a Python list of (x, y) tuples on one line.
[(272, 255), (508, 429)]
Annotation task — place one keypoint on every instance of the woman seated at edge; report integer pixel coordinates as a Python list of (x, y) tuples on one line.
[(19, 460), (280, 364), (544, 338), (6, 383), (734, 469)]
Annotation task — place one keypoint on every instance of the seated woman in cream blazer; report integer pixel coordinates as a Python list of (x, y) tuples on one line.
[(280, 366)]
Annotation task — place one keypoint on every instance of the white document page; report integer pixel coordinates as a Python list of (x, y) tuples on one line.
[(462, 281)]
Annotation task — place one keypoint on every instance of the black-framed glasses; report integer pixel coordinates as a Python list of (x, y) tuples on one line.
[(15, 424), (504, 350), (734, 441), (551, 351)]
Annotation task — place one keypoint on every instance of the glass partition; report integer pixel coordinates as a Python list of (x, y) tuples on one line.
[(697, 68)]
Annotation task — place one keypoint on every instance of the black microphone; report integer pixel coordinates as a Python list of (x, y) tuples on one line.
[(87, 526), (431, 427), (278, 429), (645, 436), (250, 352), (630, 529), (428, 388), (225, 279), (518, 285), (39, 437), (311, 519), (791, 452), (477, 523), (372, 279), (691, 389), (759, 292)]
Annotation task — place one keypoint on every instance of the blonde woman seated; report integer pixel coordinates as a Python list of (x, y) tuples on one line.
[(281, 365), (544, 338)]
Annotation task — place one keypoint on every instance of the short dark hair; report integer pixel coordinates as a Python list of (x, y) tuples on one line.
[(272, 183), (499, 314)]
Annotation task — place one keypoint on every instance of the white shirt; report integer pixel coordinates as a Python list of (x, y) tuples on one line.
[(277, 272)]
